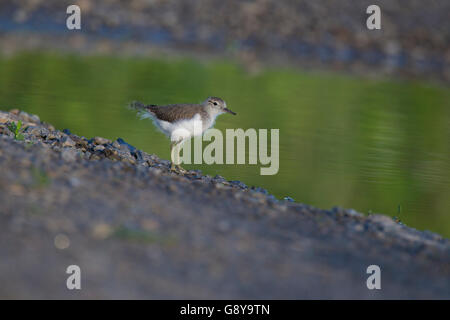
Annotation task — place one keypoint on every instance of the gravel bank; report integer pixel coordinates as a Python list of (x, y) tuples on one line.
[(139, 231), (413, 41)]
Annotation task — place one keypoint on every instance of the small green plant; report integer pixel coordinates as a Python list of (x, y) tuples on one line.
[(16, 128), (399, 211)]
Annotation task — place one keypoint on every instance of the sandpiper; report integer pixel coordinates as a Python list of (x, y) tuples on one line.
[(183, 121)]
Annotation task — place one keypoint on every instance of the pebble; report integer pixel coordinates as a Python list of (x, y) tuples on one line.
[(94, 157), (138, 155), (122, 144), (116, 144), (259, 190), (219, 178), (100, 140), (43, 132), (352, 212), (66, 141), (35, 118), (239, 184)]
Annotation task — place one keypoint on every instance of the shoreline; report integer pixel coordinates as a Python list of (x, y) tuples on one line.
[(25, 42), (255, 33)]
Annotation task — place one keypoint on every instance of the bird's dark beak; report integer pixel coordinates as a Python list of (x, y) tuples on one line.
[(229, 111)]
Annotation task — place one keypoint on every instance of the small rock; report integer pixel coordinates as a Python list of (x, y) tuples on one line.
[(239, 184), (80, 142), (111, 154), (138, 155), (43, 133), (116, 144), (32, 130), (100, 140), (35, 118), (122, 143), (129, 160), (352, 212), (94, 157), (335, 210), (219, 178), (384, 221), (66, 141), (165, 163), (260, 190)]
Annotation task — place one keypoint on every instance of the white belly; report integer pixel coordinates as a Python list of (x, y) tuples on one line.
[(183, 129)]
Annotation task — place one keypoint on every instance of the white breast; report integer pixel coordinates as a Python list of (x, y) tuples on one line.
[(182, 129)]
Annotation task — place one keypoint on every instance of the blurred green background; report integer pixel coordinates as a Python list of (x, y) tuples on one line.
[(371, 145)]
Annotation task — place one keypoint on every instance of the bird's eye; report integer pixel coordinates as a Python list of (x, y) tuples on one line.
[(215, 103)]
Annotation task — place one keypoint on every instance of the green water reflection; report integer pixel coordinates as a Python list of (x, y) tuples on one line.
[(357, 143)]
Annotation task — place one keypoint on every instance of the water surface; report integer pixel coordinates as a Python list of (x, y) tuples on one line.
[(371, 145)]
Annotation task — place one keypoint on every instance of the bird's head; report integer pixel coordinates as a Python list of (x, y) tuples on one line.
[(218, 105)]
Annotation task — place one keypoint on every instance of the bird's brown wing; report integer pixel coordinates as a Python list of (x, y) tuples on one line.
[(176, 112)]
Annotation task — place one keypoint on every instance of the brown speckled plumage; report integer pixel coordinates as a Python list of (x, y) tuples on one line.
[(175, 112)]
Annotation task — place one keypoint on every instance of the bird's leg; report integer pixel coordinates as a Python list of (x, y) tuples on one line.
[(172, 147), (180, 169), (175, 166)]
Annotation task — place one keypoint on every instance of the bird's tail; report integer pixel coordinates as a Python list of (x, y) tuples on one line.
[(136, 105), (143, 111)]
